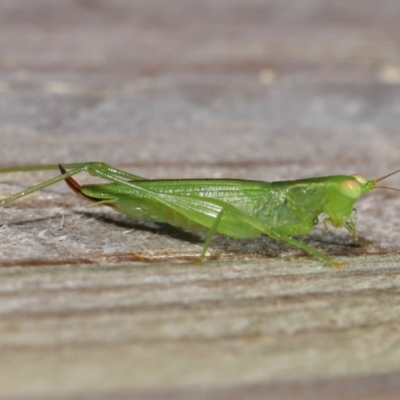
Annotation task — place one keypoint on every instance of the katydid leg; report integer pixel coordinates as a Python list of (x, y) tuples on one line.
[(93, 168), (106, 171), (306, 248), (49, 182), (272, 233), (211, 232)]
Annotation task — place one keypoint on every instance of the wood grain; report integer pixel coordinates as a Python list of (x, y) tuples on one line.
[(142, 328), (95, 305)]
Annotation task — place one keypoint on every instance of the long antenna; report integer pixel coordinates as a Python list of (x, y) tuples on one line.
[(386, 176), (387, 187)]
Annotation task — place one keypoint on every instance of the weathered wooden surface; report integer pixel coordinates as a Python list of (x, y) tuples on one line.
[(141, 328), (96, 305)]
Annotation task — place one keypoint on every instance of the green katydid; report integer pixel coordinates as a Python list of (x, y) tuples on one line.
[(233, 207)]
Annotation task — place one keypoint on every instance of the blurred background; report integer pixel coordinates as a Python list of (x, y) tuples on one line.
[(244, 87), (254, 89)]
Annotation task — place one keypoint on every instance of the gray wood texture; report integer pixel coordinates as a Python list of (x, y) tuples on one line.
[(98, 305)]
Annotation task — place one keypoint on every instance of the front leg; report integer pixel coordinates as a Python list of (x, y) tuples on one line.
[(350, 225)]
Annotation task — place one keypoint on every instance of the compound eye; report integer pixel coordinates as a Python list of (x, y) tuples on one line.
[(351, 189), (360, 179)]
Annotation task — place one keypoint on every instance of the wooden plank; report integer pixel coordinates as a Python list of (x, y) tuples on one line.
[(95, 329), (97, 305)]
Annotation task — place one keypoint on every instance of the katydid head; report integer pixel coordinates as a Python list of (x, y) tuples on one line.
[(357, 185), (344, 191)]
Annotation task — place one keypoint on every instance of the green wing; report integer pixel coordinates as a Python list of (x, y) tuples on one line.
[(189, 211)]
